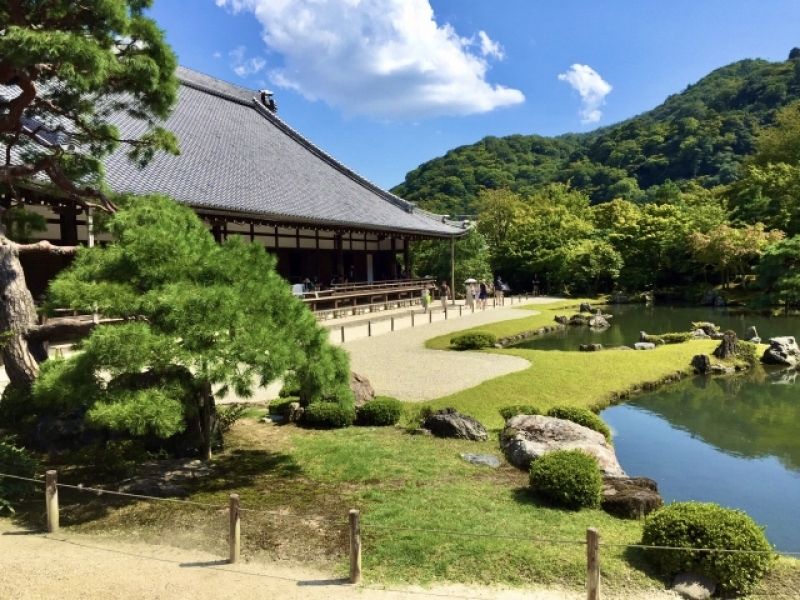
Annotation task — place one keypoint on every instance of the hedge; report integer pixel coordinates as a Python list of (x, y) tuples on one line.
[(15, 461), (380, 412), (707, 525), (474, 340), (567, 478), (328, 415)]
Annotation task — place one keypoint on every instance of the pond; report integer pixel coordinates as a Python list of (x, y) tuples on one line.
[(630, 319), (730, 440)]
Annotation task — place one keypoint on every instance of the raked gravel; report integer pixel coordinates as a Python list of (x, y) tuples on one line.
[(398, 364)]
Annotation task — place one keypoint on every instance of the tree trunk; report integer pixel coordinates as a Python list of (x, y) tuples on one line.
[(208, 418), (17, 315), (728, 346)]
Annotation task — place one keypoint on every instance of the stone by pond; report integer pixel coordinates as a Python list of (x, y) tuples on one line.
[(449, 423)]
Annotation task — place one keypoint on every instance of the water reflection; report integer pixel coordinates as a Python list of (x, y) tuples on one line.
[(731, 440)]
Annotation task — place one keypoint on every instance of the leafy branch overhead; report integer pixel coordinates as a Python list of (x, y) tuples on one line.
[(68, 67)]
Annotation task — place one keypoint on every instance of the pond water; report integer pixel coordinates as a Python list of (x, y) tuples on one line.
[(730, 440), (630, 319)]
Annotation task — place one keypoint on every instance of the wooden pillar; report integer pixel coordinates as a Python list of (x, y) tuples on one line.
[(453, 269), (235, 534), (216, 231), (339, 255), (68, 225), (355, 546), (406, 257), (51, 500), (393, 261), (592, 564)]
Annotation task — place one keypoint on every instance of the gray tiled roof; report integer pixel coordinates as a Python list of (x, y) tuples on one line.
[(238, 156)]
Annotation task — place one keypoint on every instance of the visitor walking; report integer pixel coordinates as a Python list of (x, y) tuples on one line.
[(499, 291), (483, 293), (425, 299), (444, 295), (469, 294)]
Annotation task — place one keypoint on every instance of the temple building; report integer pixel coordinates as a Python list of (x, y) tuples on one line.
[(246, 172)]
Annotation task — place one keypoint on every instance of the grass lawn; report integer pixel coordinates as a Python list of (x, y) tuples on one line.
[(404, 483)]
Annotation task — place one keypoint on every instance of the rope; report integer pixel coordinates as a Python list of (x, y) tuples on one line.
[(21, 478), (719, 550), (476, 534)]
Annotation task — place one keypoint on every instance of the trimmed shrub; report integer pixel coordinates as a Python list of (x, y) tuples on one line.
[(747, 352), (474, 340), (328, 415), (567, 478), (668, 338), (227, 416), (280, 407), (707, 525), (380, 412), (15, 461), (581, 416), (518, 409)]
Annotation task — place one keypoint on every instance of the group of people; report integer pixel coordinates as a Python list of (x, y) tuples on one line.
[(478, 292)]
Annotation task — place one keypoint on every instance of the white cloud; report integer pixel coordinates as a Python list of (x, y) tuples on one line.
[(217, 55), (490, 47), (592, 89), (244, 66), (384, 58)]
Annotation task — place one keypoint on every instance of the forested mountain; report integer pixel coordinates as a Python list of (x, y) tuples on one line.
[(703, 133)]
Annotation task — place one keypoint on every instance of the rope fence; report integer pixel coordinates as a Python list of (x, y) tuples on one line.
[(355, 529)]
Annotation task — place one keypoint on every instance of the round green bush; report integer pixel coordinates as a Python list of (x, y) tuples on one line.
[(380, 412), (328, 415), (707, 525), (15, 461), (581, 416), (474, 340), (518, 409), (567, 478), (280, 407)]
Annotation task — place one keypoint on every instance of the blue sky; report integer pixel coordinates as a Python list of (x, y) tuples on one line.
[(385, 85)]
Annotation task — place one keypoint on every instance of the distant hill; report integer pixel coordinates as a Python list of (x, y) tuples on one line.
[(703, 133)]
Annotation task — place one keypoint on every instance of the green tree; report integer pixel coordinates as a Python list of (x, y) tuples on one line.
[(432, 257), (73, 64), (587, 266), (779, 272), (196, 318), (780, 143)]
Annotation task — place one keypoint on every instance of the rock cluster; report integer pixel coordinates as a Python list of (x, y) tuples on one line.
[(590, 347), (449, 423), (782, 351), (630, 497)]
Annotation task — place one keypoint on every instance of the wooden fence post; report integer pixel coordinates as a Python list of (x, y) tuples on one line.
[(592, 564), (392, 323), (412, 318), (342, 330), (234, 538), (430, 316), (51, 500), (459, 310), (355, 546), (369, 328)]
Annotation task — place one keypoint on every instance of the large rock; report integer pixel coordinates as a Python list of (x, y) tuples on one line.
[(701, 364), (782, 351), (561, 319), (362, 388), (486, 460), (449, 423), (528, 437), (599, 321), (709, 328), (630, 497), (693, 587), (585, 307)]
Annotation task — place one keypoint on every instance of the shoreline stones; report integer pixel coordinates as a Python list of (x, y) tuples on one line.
[(449, 423), (644, 346), (590, 347), (528, 437), (782, 351), (751, 335), (630, 497)]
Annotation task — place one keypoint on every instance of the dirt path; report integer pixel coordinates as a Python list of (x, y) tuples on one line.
[(67, 567), (399, 365)]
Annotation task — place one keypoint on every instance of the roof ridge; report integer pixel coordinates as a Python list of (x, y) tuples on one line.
[(210, 90)]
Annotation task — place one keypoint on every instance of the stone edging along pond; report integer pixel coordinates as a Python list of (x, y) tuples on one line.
[(509, 340)]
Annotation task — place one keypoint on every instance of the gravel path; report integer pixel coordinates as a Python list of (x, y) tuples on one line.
[(399, 365), (67, 566)]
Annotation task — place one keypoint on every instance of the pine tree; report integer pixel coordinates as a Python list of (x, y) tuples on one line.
[(66, 67), (195, 318)]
